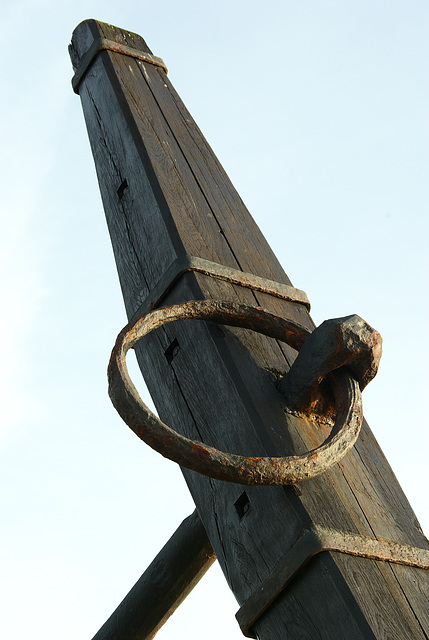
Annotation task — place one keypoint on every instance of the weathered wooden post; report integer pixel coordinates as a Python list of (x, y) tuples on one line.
[(339, 555)]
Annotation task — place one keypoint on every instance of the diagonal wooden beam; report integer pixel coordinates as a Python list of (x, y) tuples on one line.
[(164, 585)]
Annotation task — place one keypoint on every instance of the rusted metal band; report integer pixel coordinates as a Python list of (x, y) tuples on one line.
[(208, 460), (312, 542), (102, 44), (187, 263)]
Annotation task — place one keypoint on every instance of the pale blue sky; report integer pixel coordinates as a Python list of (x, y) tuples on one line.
[(318, 112)]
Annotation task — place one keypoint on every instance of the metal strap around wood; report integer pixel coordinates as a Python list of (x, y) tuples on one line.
[(102, 44), (186, 263), (312, 542)]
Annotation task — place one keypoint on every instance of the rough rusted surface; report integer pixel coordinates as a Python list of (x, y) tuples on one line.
[(186, 263), (342, 342), (208, 460)]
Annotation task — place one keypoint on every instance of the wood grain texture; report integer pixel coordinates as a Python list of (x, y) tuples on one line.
[(221, 385)]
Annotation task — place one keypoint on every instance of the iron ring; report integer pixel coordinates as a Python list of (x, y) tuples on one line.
[(208, 460)]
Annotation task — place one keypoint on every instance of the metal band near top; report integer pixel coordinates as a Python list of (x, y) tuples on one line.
[(102, 44), (186, 263)]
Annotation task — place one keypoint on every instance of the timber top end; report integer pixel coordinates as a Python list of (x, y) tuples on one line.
[(90, 30), (91, 36)]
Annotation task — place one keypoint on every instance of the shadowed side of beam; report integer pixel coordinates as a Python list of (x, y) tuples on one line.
[(167, 581)]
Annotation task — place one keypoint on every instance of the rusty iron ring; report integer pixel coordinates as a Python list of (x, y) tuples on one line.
[(206, 459)]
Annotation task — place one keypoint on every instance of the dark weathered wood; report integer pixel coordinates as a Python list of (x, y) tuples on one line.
[(221, 385), (167, 581)]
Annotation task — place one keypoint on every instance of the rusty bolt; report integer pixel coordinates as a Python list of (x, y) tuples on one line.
[(342, 342)]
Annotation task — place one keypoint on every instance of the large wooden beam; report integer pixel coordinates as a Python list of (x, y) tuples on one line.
[(166, 196)]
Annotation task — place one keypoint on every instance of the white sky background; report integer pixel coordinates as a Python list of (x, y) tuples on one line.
[(318, 112)]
